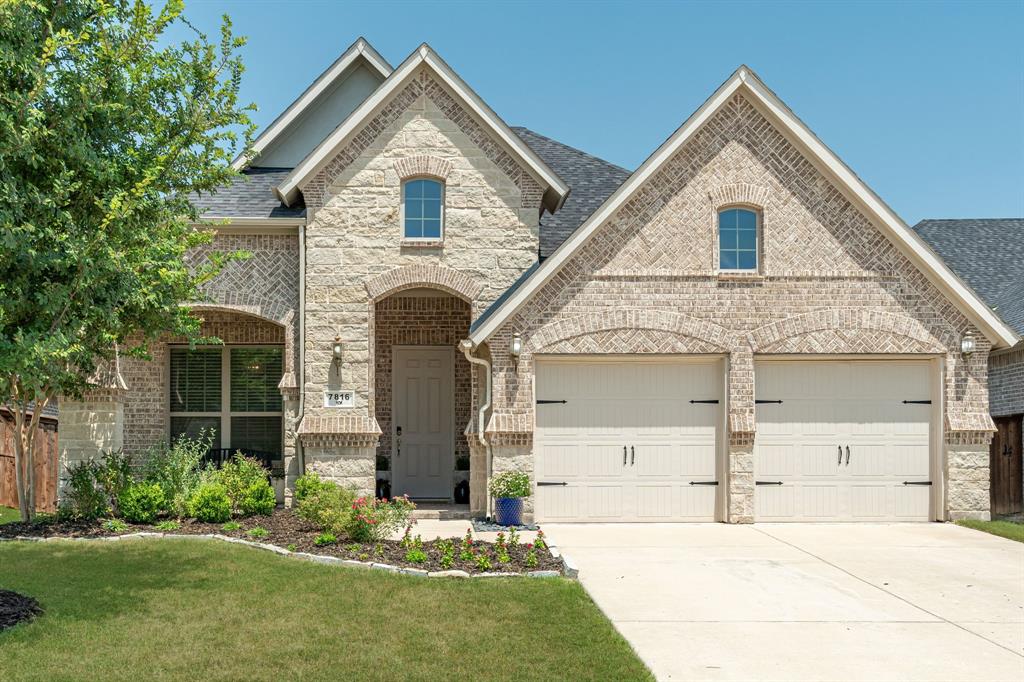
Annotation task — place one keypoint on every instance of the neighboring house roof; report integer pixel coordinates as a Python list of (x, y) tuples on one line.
[(359, 52), (250, 195), (988, 254), (746, 81), (555, 189), (49, 412), (591, 180)]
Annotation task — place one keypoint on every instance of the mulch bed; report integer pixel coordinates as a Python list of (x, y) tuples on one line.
[(285, 529), (16, 608)]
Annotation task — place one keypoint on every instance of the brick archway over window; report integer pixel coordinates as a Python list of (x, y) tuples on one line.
[(739, 193), (423, 164), (448, 280)]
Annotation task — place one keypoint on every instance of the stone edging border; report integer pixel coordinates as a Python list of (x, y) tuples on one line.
[(570, 569)]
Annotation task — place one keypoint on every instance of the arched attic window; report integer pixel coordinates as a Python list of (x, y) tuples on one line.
[(738, 239), (423, 209)]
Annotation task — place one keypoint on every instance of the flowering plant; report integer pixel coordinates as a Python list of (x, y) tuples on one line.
[(510, 484), (374, 519)]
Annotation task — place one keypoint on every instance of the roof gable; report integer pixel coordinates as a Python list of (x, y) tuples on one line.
[(330, 98), (746, 82), (555, 189)]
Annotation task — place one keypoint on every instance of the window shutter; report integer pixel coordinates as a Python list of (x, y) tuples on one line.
[(255, 373), (195, 380)]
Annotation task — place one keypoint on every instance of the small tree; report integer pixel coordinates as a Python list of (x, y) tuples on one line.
[(105, 129)]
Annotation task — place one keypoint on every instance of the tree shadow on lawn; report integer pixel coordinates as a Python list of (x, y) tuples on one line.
[(171, 607)]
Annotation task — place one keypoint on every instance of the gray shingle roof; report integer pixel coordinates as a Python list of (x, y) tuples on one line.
[(988, 254), (591, 181), (250, 196)]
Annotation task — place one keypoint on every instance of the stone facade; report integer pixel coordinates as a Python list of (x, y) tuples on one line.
[(1006, 382), (357, 258), (829, 283)]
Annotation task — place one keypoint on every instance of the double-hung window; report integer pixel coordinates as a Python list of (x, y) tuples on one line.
[(230, 392)]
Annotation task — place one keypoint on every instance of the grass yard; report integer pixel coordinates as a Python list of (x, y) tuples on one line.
[(8, 514), (174, 609), (1011, 530)]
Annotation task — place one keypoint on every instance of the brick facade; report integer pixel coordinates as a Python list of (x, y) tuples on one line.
[(1006, 381)]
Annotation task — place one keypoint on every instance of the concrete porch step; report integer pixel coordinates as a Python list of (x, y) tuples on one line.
[(441, 511)]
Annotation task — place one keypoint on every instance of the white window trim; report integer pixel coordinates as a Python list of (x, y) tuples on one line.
[(758, 251), (401, 212), (225, 413)]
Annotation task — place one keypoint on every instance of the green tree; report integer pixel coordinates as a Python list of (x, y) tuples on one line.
[(106, 127)]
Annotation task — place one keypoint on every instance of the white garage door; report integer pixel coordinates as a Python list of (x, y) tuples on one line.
[(632, 441), (849, 441)]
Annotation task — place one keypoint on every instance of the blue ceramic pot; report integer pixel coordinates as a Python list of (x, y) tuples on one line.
[(509, 511)]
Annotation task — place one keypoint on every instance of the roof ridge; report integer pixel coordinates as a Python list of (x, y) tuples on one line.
[(575, 149)]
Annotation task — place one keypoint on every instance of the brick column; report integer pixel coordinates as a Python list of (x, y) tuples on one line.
[(741, 422), (967, 475), (89, 428)]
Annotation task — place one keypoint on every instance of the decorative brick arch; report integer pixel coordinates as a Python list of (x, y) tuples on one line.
[(711, 337), (739, 193), (274, 312), (453, 281), (840, 329), (423, 164)]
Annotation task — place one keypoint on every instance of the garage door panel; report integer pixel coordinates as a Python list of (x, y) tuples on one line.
[(909, 500), (820, 502), (818, 459), (775, 503), (870, 501), (911, 461)]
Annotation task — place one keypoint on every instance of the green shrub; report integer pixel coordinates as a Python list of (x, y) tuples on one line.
[(245, 481), (168, 525), (370, 519), (257, 533), (325, 539), (510, 484), (308, 484), (328, 508), (113, 476), (210, 503), (141, 502), (231, 525), (178, 470), (416, 556), (115, 525), (83, 496)]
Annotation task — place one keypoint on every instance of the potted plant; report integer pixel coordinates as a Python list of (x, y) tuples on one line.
[(508, 489)]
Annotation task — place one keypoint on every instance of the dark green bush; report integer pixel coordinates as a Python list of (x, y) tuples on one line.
[(83, 496), (329, 508), (113, 476), (141, 502), (308, 484), (210, 503), (178, 470), (245, 481), (258, 498)]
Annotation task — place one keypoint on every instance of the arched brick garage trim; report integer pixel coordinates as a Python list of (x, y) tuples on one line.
[(850, 330), (448, 280)]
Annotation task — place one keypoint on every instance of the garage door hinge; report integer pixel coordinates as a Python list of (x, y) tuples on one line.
[(917, 482), (703, 482), (762, 402), (704, 402), (767, 482), (917, 402), (551, 402), (552, 483)]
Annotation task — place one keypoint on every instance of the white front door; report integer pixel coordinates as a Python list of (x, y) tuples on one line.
[(634, 440), (849, 441), (422, 456)]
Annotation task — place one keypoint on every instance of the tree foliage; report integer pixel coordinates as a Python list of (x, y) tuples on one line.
[(106, 128)]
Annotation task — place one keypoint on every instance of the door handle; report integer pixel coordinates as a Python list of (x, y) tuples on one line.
[(847, 455), (632, 460), (398, 441), (623, 455), (840, 454)]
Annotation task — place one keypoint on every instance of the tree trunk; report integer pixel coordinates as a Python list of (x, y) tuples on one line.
[(19, 462), (24, 453)]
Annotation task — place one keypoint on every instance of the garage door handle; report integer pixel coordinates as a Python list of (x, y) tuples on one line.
[(847, 455), (703, 482), (539, 483), (767, 482), (623, 455), (632, 459), (840, 454), (917, 482)]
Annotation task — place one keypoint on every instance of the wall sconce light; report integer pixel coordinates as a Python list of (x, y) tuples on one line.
[(336, 352), (967, 344), (517, 346)]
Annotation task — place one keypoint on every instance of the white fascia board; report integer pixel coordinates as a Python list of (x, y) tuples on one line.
[(339, 68), (252, 225), (288, 190), (911, 245)]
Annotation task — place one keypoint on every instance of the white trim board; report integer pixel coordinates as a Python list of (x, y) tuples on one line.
[(745, 80), (556, 188), (359, 50)]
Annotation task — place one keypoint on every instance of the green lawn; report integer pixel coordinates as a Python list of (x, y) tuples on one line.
[(1010, 530), (8, 514), (175, 609)]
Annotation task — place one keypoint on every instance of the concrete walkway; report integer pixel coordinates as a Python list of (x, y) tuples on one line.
[(808, 602)]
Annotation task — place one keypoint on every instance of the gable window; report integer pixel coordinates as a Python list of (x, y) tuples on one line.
[(423, 208), (230, 392), (737, 239)]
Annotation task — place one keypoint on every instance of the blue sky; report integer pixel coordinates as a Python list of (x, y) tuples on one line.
[(924, 100)]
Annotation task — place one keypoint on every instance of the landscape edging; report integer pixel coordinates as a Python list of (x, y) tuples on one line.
[(569, 569)]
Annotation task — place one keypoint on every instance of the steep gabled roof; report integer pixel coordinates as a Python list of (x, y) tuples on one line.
[(988, 254), (555, 189), (359, 52), (592, 180), (746, 81), (250, 195)]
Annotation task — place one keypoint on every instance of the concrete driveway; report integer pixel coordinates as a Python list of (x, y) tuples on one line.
[(808, 602)]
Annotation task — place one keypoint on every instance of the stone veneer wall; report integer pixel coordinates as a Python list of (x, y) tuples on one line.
[(830, 283), (1006, 381), (356, 254), (420, 321)]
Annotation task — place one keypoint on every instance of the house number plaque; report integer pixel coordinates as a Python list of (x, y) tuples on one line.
[(339, 398)]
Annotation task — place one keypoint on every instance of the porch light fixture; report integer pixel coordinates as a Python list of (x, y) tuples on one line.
[(336, 351), (517, 346), (967, 344)]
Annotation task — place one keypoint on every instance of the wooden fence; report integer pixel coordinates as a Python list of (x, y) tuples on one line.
[(46, 464)]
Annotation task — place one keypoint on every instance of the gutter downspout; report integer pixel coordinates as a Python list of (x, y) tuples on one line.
[(467, 350), (299, 452)]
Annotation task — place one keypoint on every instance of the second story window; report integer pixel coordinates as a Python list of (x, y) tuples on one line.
[(423, 208), (737, 239)]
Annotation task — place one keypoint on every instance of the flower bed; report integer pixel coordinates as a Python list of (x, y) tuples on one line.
[(16, 608), (285, 529)]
